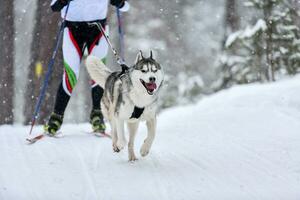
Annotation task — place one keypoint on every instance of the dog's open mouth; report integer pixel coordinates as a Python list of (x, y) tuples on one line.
[(150, 87)]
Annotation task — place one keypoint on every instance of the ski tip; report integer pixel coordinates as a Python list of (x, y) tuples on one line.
[(30, 141), (99, 134), (34, 139)]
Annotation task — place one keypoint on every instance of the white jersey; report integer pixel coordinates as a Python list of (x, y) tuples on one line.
[(85, 10)]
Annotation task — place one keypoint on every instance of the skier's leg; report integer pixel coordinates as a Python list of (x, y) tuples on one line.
[(72, 54), (97, 47)]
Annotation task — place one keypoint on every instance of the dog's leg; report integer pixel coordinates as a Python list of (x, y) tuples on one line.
[(151, 126), (132, 129), (120, 133), (114, 136)]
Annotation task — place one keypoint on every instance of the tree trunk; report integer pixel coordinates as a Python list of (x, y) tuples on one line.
[(231, 24), (6, 61), (44, 39), (268, 7), (231, 20)]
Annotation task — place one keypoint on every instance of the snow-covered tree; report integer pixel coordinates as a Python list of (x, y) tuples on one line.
[(264, 50), (286, 36)]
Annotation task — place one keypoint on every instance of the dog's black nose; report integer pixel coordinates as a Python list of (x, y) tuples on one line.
[(152, 79)]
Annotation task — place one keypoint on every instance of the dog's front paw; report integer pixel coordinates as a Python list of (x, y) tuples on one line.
[(121, 144), (115, 147), (145, 150), (131, 154), (132, 158)]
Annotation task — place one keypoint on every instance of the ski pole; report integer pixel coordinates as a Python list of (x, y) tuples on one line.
[(49, 71)]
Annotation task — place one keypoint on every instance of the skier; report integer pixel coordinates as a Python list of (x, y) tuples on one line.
[(81, 32)]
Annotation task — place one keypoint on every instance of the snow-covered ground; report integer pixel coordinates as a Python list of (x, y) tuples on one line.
[(243, 143)]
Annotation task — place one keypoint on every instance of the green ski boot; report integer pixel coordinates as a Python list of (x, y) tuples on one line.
[(96, 119), (53, 124)]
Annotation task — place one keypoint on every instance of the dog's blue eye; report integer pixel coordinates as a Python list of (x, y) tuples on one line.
[(144, 71)]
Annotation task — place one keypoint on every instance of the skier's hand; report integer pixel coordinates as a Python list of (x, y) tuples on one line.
[(121, 4), (59, 4), (117, 3), (65, 2)]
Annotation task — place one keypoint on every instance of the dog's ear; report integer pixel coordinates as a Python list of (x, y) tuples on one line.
[(139, 57), (151, 54)]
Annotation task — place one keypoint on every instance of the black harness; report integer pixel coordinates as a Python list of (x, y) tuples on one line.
[(137, 112)]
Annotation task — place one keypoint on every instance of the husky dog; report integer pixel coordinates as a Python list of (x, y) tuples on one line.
[(129, 97)]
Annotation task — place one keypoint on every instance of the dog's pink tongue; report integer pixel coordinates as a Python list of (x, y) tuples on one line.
[(151, 86)]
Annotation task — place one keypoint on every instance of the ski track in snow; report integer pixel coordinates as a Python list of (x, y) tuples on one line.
[(243, 144)]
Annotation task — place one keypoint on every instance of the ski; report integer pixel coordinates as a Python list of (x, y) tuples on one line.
[(99, 134), (35, 139), (40, 136), (59, 135)]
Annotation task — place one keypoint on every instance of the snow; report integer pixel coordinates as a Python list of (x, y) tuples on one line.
[(242, 143)]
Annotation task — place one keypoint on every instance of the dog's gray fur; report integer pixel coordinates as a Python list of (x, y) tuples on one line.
[(138, 87)]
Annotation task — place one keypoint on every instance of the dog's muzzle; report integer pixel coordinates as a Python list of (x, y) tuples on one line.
[(150, 86)]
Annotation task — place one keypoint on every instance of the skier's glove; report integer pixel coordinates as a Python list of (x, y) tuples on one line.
[(121, 4), (59, 4), (117, 3)]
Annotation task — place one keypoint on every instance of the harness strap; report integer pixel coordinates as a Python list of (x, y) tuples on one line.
[(137, 112)]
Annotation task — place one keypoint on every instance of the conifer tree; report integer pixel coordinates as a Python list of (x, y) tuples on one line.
[(267, 48)]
